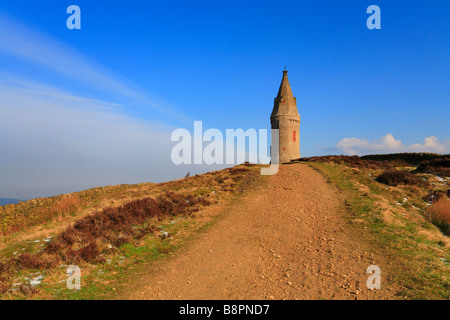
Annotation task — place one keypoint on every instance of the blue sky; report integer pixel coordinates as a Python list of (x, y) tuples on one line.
[(81, 108)]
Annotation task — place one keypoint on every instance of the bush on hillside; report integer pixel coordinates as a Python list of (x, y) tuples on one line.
[(395, 177), (439, 214), (352, 161), (435, 195), (117, 226), (410, 158), (439, 167)]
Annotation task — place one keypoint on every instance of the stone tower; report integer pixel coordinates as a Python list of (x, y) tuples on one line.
[(286, 118)]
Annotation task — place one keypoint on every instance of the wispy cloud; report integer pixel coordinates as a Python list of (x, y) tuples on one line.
[(22, 42), (388, 144), (53, 142), (56, 141)]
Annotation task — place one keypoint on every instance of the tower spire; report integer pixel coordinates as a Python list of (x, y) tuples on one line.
[(285, 90), (286, 119)]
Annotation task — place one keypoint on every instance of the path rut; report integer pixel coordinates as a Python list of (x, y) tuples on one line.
[(285, 239)]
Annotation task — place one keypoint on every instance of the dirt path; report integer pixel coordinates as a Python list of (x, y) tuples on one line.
[(284, 240)]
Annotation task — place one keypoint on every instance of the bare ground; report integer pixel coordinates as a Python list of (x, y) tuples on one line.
[(288, 238)]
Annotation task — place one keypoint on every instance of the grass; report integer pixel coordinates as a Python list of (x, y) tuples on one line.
[(24, 215), (394, 178), (439, 166), (439, 214), (415, 248), (108, 280), (104, 280), (92, 238), (411, 158), (114, 243), (400, 229)]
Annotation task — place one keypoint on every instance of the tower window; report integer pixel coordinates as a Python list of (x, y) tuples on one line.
[(295, 136)]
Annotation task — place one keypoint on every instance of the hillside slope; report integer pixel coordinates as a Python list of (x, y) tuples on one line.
[(297, 237), (285, 239), (309, 232), (104, 228)]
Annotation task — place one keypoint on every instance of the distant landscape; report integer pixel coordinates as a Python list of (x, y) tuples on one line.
[(5, 201), (228, 156), (389, 210)]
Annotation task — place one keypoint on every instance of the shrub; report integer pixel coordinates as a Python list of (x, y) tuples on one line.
[(16, 217), (3, 288), (5, 276), (35, 261), (69, 236), (410, 158), (435, 166), (236, 170), (439, 214), (115, 225), (434, 196), (396, 177), (121, 240), (3, 267), (53, 247), (90, 252), (352, 161)]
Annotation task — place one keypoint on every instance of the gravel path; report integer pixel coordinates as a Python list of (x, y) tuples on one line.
[(285, 239)]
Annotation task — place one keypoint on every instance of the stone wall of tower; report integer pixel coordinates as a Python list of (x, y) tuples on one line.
[(289, 132), (286, 119)]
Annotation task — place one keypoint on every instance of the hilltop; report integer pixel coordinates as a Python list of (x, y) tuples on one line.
[(43, 236), (308, 232)]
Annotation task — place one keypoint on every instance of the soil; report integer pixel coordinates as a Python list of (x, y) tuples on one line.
[(287, 238)]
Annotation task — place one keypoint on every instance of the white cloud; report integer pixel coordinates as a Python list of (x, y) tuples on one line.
[(432, 144), (388, 144)]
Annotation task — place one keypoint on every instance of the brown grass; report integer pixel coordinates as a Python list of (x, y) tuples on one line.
[(88, 238), (352, 161), (21, 216), (129, 216), (25, 215), (436, 166), (439, 214), (35, 261), (396, 177), (435, 195), (5, 273), (410, 158), (89, 253), (117, 226)]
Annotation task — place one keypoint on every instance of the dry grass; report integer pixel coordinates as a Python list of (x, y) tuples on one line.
[(92, 236), (130, 214), (436, 166), (410, 158), (116, 226), (5, 274), (439, 214), (35, 261), (435, 195), (396, 177), (24, 215), (399, 223), (352, 161)]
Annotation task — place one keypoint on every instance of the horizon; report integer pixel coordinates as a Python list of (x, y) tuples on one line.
[(76, 191), (96, 106)]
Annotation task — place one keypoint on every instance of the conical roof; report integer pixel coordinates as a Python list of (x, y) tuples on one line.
[(285, 90), (285, 103)]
